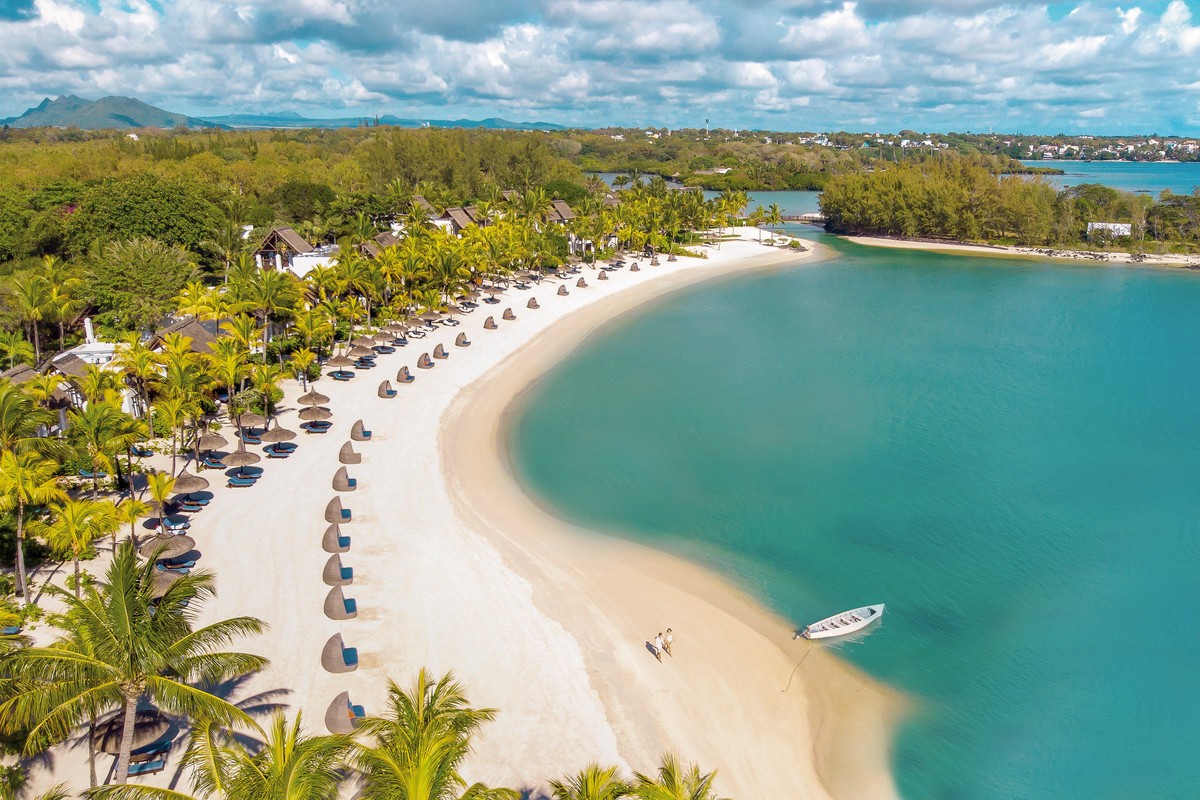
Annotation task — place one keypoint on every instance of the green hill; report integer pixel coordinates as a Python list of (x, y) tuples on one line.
[(70, 111)]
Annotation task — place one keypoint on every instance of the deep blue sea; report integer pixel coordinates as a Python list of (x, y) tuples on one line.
[(1002, 451), (1129, 176)]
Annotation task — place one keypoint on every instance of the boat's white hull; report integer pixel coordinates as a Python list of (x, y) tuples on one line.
[(844, 623)]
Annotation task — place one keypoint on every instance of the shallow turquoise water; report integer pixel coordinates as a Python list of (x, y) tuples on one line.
[(1001, 451), (1129, 176)]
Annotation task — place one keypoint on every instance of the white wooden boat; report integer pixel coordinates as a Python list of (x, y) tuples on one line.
[(841, 624)]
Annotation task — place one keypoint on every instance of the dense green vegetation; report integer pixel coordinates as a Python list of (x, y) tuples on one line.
[(952, 198)]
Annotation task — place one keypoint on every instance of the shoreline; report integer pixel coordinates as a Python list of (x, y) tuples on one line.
[(1190, 262), (456, 568), (631, 585)]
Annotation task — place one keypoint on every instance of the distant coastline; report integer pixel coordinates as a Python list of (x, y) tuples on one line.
[(1191, 262)]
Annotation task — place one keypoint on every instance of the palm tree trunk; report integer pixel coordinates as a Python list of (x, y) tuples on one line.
[(22, 586), (92, 750), (122, 776), (78, 594), (37, 346), (174, 448)]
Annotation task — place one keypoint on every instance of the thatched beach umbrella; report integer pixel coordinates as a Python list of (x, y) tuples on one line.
[(313, 398), (186, 483), (163, 580), (382, 338), (359, 352), (252, 420), (148, 727), (211, 441), (315, 413), (160, 547), (340, 361), (363, 341), (430, 316), (241, 458), (396, 328), (278, 434)]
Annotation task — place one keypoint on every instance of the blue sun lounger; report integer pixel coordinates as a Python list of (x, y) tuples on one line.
[(350, 656), (239, 482)]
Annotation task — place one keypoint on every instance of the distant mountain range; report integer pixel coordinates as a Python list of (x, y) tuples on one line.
[(70, 111)]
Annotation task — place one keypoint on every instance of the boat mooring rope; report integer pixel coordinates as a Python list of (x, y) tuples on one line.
[(798, 663)]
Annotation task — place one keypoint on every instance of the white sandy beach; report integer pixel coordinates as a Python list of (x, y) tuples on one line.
[(456, 568), (1147, 260)]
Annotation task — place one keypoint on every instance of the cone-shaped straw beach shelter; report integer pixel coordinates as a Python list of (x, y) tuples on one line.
[(313, 398)]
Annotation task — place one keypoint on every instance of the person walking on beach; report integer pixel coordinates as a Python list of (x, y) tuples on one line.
[(668, 640), (658, 647)]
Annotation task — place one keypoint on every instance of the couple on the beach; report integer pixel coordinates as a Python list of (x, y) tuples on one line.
[(661, 644)]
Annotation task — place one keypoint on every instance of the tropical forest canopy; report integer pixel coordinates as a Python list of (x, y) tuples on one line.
[(953, 198)]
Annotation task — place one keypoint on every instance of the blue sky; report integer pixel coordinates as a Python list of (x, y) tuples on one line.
[(935, 65)]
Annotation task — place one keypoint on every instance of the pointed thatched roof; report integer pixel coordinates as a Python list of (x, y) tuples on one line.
[(21, 373), (287, 237), (564, 211), (459, 217), (70, 365), (191, 328)]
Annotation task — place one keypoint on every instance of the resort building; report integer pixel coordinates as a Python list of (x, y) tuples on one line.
[(1107, 231), (280, 248)]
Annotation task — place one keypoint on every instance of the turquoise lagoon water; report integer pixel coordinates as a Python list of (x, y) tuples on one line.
[(1002, 451), (1129, 176)]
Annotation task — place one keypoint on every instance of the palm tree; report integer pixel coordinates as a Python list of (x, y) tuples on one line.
[(42, 388), (244, 330), (593, 783), (141, 366), (270, 294), (29, 294), (174, 411), (100, 431), (421, 741), (74, 526), (299, 365), (15, 349), (195, 300), (774, 216), (62, 307), (675, 781), (120, 647), (757, 218), (22, 421), (129, 510), (264, 377), (97, 384), (161, 486), (288, 765), (26, 479)]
